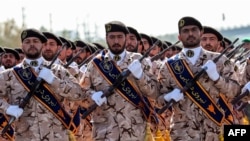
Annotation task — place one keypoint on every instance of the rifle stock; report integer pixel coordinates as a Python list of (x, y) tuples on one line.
[(196, 77)]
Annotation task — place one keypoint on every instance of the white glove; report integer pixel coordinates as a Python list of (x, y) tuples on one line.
[(136, 69), (47, 75), (176, 95), (237, 64), (246, 87), (211, 70), (97, 97), (14, 110)]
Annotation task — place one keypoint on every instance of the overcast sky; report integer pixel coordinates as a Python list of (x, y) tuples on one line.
[(154, 17)]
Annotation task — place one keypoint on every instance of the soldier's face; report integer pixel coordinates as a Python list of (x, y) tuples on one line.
[(116, 42), (50, 49), (32, 47), (8, 60), (210, 42), (131, 42), (190, 36)]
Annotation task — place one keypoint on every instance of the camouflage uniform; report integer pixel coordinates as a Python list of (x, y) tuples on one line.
[(37, 122), (189, 122), (118, 119), (164, 118), (84, 131)]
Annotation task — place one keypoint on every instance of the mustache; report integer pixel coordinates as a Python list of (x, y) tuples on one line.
[(116, 45), (190, 37)]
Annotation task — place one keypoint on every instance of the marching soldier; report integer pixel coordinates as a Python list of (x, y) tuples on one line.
[(9, 58), (146, 41), (119, 116), (196, 114), (211, 39), (133, 39), (43, 118)]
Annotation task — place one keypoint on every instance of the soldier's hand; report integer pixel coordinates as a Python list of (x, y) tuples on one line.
[(176, 95), (47, 75), (136, 69), (97, 97), (14, 110), (246, 87), (211, 70)]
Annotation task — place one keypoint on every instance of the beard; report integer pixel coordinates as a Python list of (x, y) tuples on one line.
[(33, 54), (48, 55), (116, 48), (191, 43), (132, 48)]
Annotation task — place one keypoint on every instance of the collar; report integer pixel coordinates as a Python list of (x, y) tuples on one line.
[(39, 62), (196, 55), (122, 56)]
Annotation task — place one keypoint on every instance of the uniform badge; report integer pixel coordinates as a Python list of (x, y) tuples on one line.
[(24, 35), (108, 27), (117, 58), (190, 53), (181, 23)]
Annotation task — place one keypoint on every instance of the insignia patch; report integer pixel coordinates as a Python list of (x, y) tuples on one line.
[(108, 27), (181, 23), (24, 34)]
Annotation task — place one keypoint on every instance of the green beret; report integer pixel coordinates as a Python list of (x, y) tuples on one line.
[(50, 35), (208, 29), (246, 40), (116, 26), (33, 33), (68, 44), (185, 21), (134, 31), (148, 38), (12, 51)]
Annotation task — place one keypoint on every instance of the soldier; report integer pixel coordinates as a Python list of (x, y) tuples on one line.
[(119, 116), (9, 58), (146, 41), (211, 39), (133, 39), (44, 118), (196, 114)]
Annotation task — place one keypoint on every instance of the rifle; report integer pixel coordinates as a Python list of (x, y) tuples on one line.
[(159, 55), (123, 75), (36, 85), (232, 53), (73, 58), (89, 58), (196, 77)]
